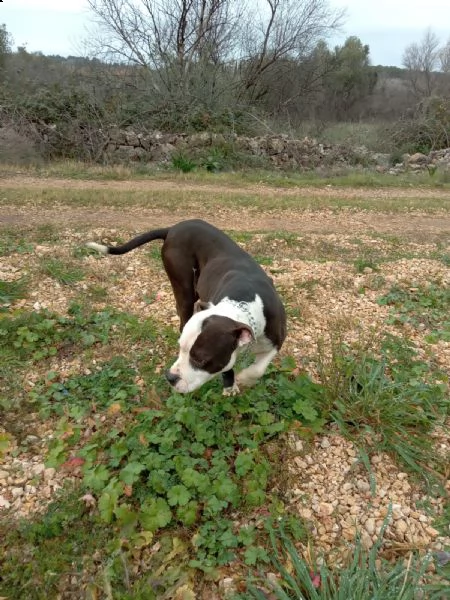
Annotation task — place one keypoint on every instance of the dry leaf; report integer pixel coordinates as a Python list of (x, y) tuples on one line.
[(114, 409)]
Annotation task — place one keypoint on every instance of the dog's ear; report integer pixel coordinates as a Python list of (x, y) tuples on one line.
[(200, 305), (244, 334)]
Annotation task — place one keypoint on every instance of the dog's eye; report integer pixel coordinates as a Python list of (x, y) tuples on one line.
[(197, 362)]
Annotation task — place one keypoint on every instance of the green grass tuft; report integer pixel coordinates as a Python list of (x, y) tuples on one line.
[(183, 163), (10, 291), (53, 553), (363, 264), (425, 307), (386, 403), (62, 272), (362, 577), (13, 242)]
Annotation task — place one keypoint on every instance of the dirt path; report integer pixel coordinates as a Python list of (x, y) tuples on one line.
[(411, 225), (261, 189)]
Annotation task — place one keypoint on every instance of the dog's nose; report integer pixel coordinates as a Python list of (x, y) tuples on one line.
[(172, 378)]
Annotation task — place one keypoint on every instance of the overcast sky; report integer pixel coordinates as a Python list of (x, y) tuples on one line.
[(388, 26)]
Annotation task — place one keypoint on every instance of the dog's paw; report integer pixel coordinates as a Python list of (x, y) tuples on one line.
[(231, 391), (246, 380)]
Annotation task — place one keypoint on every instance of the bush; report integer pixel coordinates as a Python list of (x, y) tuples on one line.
[(426, 129), (16, 149), (183, 163), (62, 123)]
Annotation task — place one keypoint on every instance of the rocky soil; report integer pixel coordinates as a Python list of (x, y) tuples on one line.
[(329, 487)]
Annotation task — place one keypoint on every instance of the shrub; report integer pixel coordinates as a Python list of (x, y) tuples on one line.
[(426, 129), (183, 163), (61, 122), (16, 149)]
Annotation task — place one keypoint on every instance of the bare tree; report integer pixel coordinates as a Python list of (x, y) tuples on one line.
[(281, 30), (444, 58), (422, 61), (171, 39), (210, 53)]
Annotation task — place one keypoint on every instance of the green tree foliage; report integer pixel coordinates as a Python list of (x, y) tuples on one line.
[(350, 78), (5, 46)]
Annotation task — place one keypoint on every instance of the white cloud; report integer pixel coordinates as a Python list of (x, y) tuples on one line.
[(54, 5), (395, 14), (388, 26)]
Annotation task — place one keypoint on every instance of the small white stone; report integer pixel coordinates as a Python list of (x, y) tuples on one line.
[(16, 492), (397, 514), (363, 486), (227, 585), (38, 469), (4, 503), (432, 532), (21, 480), (401, 526), (32, 439), (370, 526), (305, 513), (49, 473), (325, 509)]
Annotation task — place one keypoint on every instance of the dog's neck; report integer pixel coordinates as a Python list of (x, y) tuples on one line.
[(250, 313)]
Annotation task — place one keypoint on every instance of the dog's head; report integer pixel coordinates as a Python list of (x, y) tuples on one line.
[(209, 345)]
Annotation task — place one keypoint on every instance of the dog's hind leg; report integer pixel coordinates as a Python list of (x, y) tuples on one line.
[(181, 273)]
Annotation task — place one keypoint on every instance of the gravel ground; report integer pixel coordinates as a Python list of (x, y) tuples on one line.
[(329, 489)]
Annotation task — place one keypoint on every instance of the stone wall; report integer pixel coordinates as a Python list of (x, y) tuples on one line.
[(436, 159), (280, 151)]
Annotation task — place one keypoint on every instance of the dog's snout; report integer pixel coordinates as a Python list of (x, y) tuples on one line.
[(172, 378)]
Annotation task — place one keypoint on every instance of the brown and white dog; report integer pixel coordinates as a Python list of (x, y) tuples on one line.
[(225, 302)]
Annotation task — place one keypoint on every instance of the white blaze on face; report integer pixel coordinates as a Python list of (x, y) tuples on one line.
[(191, 378)]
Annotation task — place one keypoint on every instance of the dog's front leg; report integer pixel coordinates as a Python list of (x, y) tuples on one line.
[(230, 387), (249, 376)]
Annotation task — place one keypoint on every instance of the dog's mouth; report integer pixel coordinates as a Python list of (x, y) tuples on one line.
[(182, 387), (178, 384), (186, 385)]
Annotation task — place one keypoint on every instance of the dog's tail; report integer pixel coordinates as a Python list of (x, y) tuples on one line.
[(144, 238)]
